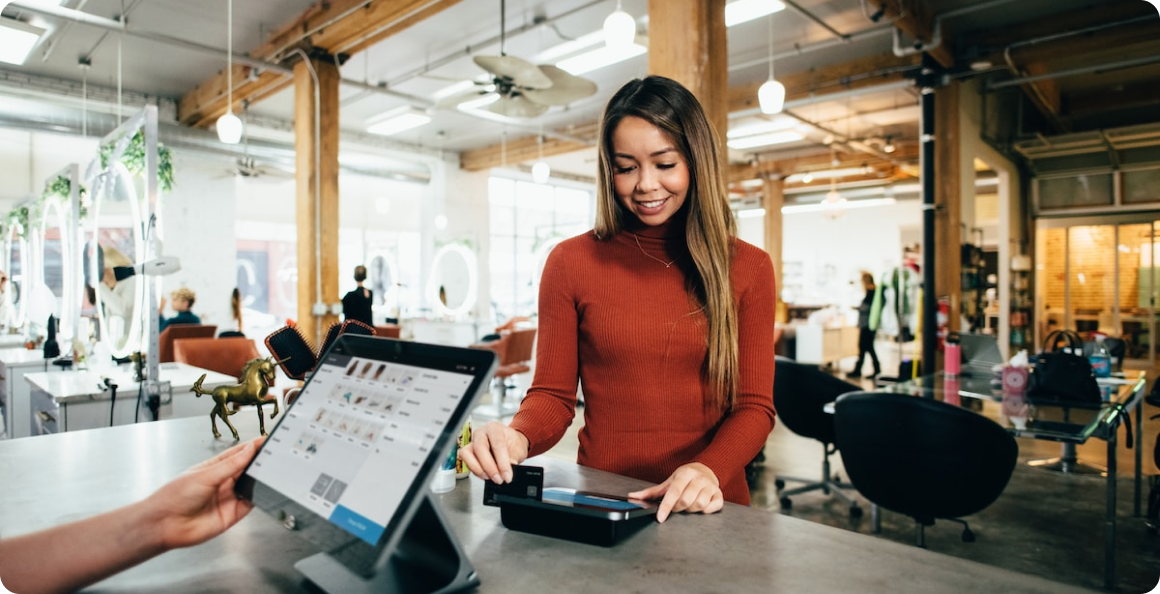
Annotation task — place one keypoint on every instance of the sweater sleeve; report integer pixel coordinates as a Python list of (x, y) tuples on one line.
[(550, 404), (743, 431)]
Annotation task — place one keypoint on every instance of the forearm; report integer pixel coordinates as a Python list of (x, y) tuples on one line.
[(69, 557)]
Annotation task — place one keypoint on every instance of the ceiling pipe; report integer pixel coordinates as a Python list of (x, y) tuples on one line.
[(85, 18), (201, 142), (1075, 72)]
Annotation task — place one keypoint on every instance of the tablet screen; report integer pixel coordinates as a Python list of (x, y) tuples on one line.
[(361, 439)]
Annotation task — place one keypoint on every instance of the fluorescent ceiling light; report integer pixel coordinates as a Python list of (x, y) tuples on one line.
[(599, 58), (827, 174), (478, 103), (765, 140), (17, 40), (569, 47), (849, 205), (761, 126), (397, 120), (742, 11)]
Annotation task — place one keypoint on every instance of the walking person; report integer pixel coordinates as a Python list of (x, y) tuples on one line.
[(866, 330)]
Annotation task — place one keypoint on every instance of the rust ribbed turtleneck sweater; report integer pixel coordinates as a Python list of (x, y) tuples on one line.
[(621, 324)]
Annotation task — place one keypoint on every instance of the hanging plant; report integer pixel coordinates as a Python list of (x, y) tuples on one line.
[(19, 216), (134, 159), (60, 188)]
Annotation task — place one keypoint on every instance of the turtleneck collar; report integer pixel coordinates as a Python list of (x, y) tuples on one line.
[(674, 228)]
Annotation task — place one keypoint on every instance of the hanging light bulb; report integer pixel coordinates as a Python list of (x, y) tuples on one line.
[(541, 171), (229, 126), (889, 146), (833, 205), (619, 29), (771, 94)]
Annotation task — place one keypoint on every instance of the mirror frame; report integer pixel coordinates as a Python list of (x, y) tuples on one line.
[(16, 314), (69, 298), (433, 283), (105, 185)]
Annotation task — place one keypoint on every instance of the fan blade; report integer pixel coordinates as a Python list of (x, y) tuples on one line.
[(453, 101), (517, 107), (566, 87), (521, 72)]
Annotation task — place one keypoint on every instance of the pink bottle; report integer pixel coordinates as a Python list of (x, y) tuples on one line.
[(953, 359)]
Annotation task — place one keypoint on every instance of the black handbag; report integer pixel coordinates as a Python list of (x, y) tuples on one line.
[(1061, 377)]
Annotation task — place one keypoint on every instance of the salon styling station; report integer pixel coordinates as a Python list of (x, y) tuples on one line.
[(58, 478)]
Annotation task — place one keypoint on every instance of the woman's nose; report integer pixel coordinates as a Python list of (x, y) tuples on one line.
[(648, 180)]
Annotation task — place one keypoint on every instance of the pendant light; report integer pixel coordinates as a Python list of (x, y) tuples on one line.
[(771, 94), (541, 171), (833, 205), (229, 126), (619, 29)]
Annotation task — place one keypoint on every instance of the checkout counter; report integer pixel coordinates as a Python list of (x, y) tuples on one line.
[(60, 478)]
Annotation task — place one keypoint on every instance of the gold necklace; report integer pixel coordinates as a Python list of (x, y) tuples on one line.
[(667, 264)]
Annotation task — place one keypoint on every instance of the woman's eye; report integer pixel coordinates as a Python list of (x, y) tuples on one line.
[(624, 169), (666, 165)]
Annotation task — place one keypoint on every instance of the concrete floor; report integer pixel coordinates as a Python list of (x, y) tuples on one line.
[(1046, 523)]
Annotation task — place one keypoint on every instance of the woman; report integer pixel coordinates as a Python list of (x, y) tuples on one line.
[(660, 312), (865, 331)]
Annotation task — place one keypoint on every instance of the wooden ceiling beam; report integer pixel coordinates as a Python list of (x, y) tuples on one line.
[(862, 73), (346, 26), (735, 173)]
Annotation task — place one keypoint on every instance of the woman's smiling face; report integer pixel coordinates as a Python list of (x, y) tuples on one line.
[(650, 174)]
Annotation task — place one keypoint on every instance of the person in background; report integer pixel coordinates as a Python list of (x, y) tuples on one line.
[(356, 305), (183, 299), (234, 327), (191, 509), (661, 313), (866, 329)]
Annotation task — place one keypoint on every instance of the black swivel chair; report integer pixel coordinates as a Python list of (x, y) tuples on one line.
[(800, 393), (923, 458), (1153, 516)]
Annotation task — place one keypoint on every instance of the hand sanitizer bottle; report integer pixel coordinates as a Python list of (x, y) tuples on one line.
[(1101, 358)]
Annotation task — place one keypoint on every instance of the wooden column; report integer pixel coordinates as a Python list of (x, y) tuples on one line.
[(317, 216), (687, 43), (948, 199), (772, 199)]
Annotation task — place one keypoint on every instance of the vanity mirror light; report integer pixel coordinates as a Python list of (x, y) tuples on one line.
[(13, 308), (115, 241), (453, 286)]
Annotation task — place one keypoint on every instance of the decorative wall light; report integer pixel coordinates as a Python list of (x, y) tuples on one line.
[(619, 28), (229, 126), (771, 94), (541, 171)]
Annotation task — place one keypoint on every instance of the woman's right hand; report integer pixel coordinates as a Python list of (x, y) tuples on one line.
[(492, 451)]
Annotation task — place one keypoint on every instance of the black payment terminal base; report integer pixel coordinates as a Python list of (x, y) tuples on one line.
[(580, 516)]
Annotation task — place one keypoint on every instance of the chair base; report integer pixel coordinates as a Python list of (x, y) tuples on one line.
[(830, 487), (1069, 463), (501, 406)]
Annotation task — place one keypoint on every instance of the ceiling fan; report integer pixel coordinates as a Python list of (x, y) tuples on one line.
[(525, 90), (246, 166)]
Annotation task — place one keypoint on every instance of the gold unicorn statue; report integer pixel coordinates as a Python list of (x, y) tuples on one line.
[(257, 375)]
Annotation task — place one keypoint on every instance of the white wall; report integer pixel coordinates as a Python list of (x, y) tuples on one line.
[(832, 253), (195, 230)]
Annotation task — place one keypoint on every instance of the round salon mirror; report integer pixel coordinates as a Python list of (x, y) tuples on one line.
[(56, 269), (454, 281), (12, 306), (114, 246)]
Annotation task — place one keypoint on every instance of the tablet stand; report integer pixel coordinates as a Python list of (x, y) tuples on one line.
[(428, 560)]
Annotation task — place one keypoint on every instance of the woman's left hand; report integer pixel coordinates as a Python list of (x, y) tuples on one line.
[(691, 488)]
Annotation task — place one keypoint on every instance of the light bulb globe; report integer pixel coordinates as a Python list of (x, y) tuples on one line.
[(541, 172), (771, 97), (229, 128), (619, 30)]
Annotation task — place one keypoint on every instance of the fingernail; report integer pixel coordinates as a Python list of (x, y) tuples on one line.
[(496, 478), (507, 477)]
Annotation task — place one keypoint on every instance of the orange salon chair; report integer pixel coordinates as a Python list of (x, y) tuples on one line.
[(515, 349), (176, 331)]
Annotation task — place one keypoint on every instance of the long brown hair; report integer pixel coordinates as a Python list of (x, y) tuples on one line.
[(709, 224)]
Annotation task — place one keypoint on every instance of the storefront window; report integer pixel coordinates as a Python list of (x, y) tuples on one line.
[(526, 221)]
